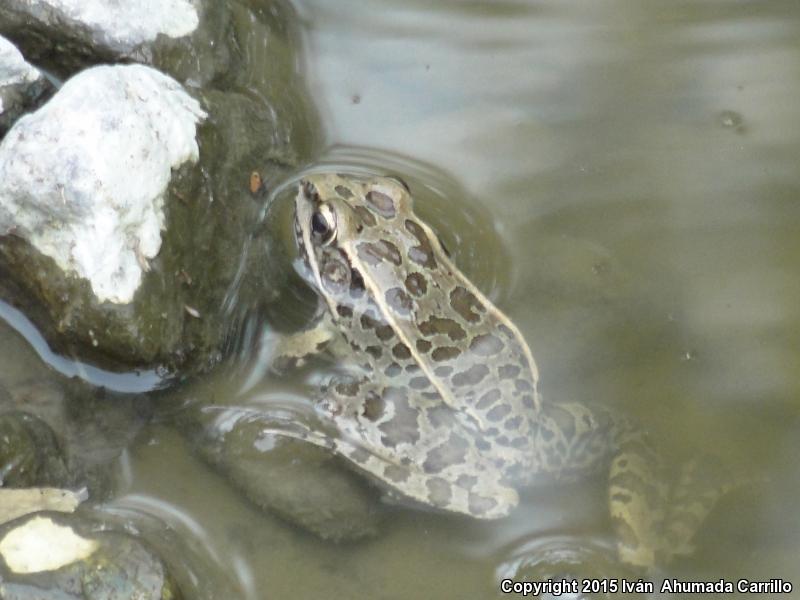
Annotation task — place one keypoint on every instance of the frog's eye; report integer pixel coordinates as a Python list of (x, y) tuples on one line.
[(323, 225)]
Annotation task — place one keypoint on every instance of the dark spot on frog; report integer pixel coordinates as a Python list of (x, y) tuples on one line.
[(436, 325), (374, 351), (381, 203), (523, 385), (395, 473), (520, 442), (466, 304), (356, 284), (505, 331), (401, 351), (422, 253), (373, 253), (419, 383), (452, 451), (343, 191), (366, 217), (373, 406), (399, 301), (508, 371), (423, 346), (359, 455), (416, 284), (486, 345), (384, 333), (466, 482), (403, 427), (344, 311), (440, 416), (498, 413), (368, 321), (335, 276), (472, 376), (488, 399), (443, 353), (439, 492), (443, 371), (479, 505), (392, 370), (482, 445), (513, 423)]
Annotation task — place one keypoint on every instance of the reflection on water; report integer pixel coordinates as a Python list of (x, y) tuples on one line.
[(637, 163)]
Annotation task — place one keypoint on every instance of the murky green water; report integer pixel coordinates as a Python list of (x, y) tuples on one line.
[(631, 172)]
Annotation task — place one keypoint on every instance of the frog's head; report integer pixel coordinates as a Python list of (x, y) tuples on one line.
[(346, 226)]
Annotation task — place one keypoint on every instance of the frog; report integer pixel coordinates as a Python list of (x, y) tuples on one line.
[(439, 402)]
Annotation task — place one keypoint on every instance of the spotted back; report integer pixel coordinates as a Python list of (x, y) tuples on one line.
[(409, 313)]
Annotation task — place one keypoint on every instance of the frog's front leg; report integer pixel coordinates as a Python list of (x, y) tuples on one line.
[(293, 350)]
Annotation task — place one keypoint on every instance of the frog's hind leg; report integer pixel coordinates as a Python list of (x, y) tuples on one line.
[(408, 443), (449, 491), (655, 515), (637, 497), (700, 484), (446, 490), (404, 443)]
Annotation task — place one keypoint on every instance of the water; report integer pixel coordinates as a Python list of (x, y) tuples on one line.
[(635, 167)]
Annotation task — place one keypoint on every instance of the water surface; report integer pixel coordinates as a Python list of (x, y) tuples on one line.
[(634, 167)]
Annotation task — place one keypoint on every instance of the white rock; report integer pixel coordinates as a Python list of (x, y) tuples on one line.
[(120, 24), (13, 68), (83, 178), (14, 71), (42, 545), (16, 502)]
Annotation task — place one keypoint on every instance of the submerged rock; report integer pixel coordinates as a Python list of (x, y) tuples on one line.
[(21, 85), (298, 482), (301, 483), (30, 454), (66, 435), (56, 556)]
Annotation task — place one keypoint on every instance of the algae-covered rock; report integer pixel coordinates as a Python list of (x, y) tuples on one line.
[(21, 85), (86, 30), (30, 454), (83, 180), (127, 249), (129, 233)]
